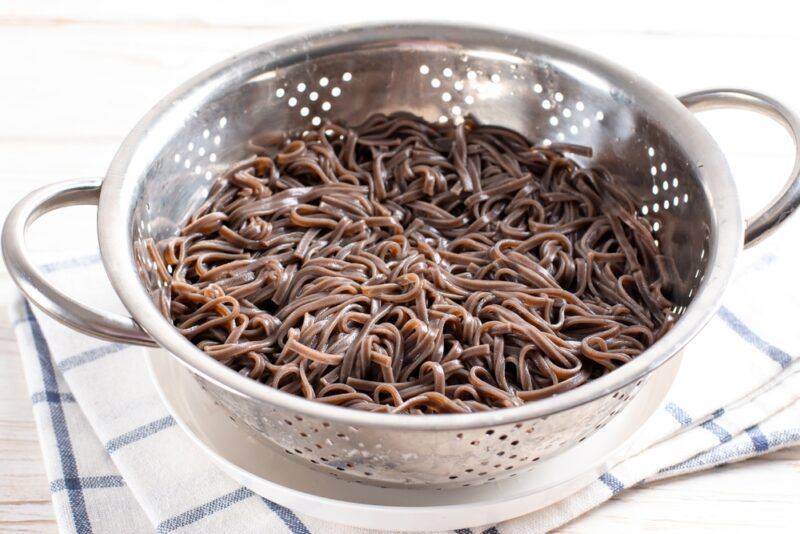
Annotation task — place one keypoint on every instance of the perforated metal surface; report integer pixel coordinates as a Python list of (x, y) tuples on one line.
[(548, 93), (547, 101), (441, 458)]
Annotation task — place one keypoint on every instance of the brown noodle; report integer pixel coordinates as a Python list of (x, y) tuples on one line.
[(407, 267)]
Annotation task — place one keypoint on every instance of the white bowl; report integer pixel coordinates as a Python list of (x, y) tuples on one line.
[(270, 473)]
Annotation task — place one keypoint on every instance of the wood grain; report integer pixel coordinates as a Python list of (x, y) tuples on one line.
[(77, 76)]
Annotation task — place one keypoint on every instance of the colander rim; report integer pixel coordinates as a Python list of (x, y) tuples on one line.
[(130, 164)]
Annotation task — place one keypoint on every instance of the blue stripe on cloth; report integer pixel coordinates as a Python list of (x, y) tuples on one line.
[(677, 412), (25, 319), (69, 466), (722, 434), (718, 413), (72, 484), (733, 450), (80, 261), (490, 530), (91, 355), (784, 437), (779, 356), (463, 531), (288, 517), (139, 433), (613, 483), (51, 396), (204, 510), (760, 443)]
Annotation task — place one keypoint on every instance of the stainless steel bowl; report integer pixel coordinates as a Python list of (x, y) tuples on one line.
[(546, 90)]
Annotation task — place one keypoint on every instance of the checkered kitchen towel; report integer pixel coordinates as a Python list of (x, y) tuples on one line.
[(118, 463)]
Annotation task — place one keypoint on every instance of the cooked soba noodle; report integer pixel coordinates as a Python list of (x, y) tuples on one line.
[(401, 266)]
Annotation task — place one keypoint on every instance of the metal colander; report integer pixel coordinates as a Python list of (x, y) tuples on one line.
[(549, 92)]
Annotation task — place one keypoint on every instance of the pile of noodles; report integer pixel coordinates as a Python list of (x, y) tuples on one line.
[(406, 267)]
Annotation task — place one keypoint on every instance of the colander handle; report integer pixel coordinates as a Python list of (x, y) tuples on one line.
[(34, 285), (787, 200)]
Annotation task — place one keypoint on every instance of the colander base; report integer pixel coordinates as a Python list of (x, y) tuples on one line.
[(279, 478)]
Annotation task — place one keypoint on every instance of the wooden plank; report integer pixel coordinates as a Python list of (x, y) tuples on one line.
[(680, 17)]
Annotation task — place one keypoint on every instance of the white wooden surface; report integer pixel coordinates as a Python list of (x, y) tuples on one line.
[(75, 77)]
